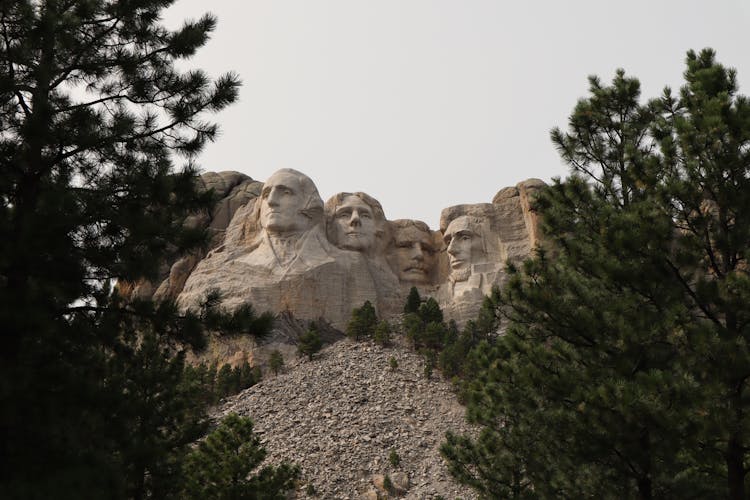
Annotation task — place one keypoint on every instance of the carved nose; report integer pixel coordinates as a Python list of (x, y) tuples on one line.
[(273, 199), (354, 220), (450, 248), (416, 252)]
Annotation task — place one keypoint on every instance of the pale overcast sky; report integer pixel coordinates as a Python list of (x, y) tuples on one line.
[(425, 104)]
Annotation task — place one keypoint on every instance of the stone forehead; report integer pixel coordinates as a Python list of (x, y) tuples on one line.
[(312, 203), (413, 232), (478, 211), (464, 222), (339, 198), (304, 181), (401, 224)]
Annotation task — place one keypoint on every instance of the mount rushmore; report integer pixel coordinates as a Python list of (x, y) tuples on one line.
[(279, 247)]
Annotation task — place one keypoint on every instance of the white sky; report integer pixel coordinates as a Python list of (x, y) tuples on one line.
[(425, 104)]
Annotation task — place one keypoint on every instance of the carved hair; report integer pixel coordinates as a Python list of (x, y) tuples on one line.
[(336, 200), (405, 223)]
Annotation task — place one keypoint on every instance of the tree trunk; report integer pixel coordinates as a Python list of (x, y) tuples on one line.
[(735, 469)]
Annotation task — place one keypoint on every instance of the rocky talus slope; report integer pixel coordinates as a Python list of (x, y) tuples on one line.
[(340, 416)]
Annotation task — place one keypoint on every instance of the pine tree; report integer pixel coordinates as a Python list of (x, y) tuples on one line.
[(363, 322), (219, 467), (623, 369), (413, 301), (93, 111), (249, 375), (159, 417), (382, 335), (227, 381), (310, 342), (276, 361), (704, 136), (430, 312)]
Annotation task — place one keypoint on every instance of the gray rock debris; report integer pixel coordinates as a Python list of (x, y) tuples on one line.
[(340, 416)]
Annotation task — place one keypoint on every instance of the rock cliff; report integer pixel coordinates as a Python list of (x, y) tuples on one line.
[(279, 247)]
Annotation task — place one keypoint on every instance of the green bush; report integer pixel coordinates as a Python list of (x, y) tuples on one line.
[(219, 467), (276, 361), (309, 343), (394, 459), (363, 322), (383, 334)]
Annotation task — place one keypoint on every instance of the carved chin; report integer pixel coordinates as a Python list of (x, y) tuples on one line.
[(414, 275), (461, 274), (355, 245), (354, 241)]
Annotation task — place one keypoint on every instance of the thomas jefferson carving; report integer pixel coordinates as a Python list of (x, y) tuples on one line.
[(355, 222)]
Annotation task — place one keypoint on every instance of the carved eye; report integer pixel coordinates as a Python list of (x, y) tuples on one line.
[(344, 214), (365, 215), (465, 237), (403, 244), (288, 191)]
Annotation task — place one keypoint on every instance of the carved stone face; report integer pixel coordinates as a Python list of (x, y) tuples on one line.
[(464, 247), (282, 200), (354, 224), (413, 255)]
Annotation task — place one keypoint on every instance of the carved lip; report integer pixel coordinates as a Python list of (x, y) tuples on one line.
[(457, 263), (419, 269)]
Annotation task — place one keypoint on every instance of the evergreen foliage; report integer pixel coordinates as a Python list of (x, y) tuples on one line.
[(363, 322), (310, 342), (394, 458), (216, 384), (430, 361), (430, 312), (220, 466), (623, 371), (276, 361), (425, 328), (93, 110), (413, 301), (382, 335), (393, 363)]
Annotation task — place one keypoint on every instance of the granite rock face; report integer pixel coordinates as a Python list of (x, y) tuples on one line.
[(232, 190), (280, 248)]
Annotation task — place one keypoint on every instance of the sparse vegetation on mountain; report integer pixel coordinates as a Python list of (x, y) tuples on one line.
[(276, 361), (310, 342), (383, 333), (363, 322)]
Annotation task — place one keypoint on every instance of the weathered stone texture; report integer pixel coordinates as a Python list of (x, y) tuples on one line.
[(278, 247), (340, 415)]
